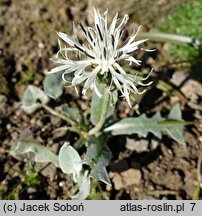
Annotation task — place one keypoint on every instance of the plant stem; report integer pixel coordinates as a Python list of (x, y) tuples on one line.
[(105, 105), (174, 122), (199, 167), (166, 87), (79, 143), (174, 38), (63, 117)]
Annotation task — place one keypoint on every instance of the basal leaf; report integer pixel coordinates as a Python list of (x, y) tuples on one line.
[(42, 154), (108, 99), (33, 98), (52, 85), (70, 161)]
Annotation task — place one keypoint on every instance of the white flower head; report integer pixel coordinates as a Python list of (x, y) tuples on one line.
[(101, 55)]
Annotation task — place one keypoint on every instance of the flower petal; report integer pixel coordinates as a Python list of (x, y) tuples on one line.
[(68, 39)]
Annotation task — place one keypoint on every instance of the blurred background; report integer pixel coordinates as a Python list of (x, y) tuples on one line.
[(140, 168)]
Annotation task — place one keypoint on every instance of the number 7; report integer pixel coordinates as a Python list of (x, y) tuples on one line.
[(193, 204)]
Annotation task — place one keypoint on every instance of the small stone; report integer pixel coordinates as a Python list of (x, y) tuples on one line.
[(127, 178), (137, 145), (8, 126), (154, 144), (31, 190), (192, 89), (41, 45), (55, 120), (26, 134), (131, 177), (62, 183), (59, 132), (49, 171), (178, 78), (108, 187), (152, 166), (118, 183)]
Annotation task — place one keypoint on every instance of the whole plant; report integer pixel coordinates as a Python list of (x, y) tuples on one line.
[(97, 61)]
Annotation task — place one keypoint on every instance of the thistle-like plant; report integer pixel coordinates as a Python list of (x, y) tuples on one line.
[(98, 63), (104, 53)]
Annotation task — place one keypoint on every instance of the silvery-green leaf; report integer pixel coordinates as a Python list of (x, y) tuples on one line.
[(33, 98), (92, 151), (99, 172), (84, 187), (143, 125), (175, 113), (73, 113), (52, 85), (42, 154), (97, 157), (108, 99), (70, 161), (175, 130)]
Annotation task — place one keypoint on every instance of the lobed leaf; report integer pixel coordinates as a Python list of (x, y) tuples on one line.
[(175, 130), (97, 157), (99, 171), (142, 125)]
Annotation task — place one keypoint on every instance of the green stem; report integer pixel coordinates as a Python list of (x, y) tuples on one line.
[(79, 143), (170, 122), (197, 192), (105, 105), (63, 117), (167, 87), (157, 36)]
